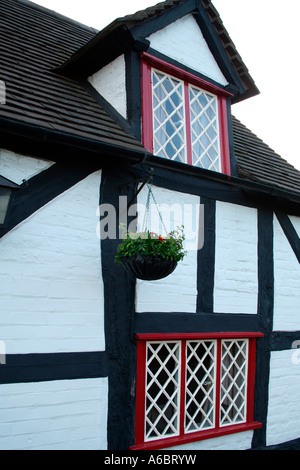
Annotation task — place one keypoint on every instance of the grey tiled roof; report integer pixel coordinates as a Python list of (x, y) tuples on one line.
[(259, 163), (33, 42)]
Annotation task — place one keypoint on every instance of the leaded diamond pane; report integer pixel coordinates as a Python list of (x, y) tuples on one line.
[(200, 385), (168, 117), (233, 391), (162, 389), (204, 129)]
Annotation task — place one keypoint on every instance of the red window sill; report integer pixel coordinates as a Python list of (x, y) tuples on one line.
[(198, 436)]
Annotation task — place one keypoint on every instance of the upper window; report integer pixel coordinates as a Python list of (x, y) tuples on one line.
[(193, 387), (184, 118)]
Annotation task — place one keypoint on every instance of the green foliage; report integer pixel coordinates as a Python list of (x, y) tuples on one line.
[(151, 244)]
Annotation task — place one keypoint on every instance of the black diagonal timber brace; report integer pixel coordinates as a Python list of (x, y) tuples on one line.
[(147, 180)]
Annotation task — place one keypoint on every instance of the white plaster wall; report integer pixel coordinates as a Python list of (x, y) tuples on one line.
[(286, 281), (55, 415), (296, 223), (50, 278), (178, 291), (283, 420), (183, 41), (110, 82), (18, 167), (238, 441), (236, 283)]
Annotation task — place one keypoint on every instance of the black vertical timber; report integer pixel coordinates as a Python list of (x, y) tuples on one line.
[(119, 294), (206, 257), (233, 159), (134, 92), (265, 318)]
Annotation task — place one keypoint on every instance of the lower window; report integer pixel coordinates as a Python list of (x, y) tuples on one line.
[(192, 387)]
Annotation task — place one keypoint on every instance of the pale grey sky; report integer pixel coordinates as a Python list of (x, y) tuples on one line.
[(265, 33)]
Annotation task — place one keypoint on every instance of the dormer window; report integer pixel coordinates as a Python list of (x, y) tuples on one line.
[(184, 117)]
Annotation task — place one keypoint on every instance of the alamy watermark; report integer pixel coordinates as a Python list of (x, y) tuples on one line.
[(2, 352), (169, 216), (2, 92), (296, 352)]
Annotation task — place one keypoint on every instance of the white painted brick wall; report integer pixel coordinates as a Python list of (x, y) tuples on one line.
[(55, 415), (183, 41), (18, 167), (283, 421), (238, 441), (236, 284), (178, 291), (296, 223), (110, 82), (50, 279), (287, 281)]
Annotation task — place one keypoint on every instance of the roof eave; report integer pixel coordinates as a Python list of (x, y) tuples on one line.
[(114, 40), (257, 190), (43, 136), (105, 154)]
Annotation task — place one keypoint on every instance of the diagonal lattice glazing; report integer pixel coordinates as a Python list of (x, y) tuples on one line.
[(200, 385), (168, 117), (162, 390), (204, 129), (234, 370)]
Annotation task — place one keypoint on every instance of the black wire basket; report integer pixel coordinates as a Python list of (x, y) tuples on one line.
[(148, 268)]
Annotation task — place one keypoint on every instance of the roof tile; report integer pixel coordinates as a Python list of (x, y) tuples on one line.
[(33, 41), (258, 162)]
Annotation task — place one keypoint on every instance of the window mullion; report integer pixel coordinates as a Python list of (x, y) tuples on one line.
[(218, 383), (140, 393), (182, 388), (251, 379), (188, 132)]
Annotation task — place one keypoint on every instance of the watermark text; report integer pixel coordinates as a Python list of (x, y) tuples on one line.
[(2, 352), (112, 220), (296, 352)]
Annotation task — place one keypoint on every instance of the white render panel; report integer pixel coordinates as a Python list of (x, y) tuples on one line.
[(178, 291), (110, 82), (54, 415), (283, 421), (18, 167), (183, 41), (287, 281), (236, 283), (50, 281), (238, 441), (296, 223)]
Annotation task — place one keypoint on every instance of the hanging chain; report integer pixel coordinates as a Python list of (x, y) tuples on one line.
[(146, 215)]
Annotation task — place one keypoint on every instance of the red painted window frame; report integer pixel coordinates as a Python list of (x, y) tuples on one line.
[(217, 431), (149, 61)]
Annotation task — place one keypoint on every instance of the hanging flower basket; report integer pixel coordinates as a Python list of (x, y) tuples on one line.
[(148, 268), (148, 256)]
